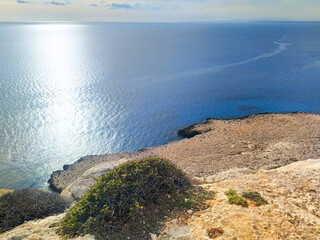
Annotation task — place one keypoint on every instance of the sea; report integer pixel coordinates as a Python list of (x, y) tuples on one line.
[(69, 90)]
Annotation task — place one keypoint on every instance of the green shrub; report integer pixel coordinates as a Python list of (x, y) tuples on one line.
[(230, 192), (273, 167), (237, 200), (28, 204), (195, 198), (122, 196), (256, 197), (234, 198), (251, 172)]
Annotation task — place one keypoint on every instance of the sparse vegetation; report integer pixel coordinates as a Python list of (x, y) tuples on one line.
[(234, 198), (230, 192), (294, 160), (28, 204), (256, 197), (205, 181), (132, 200), (251, 172), (197, 196), (237, 200), (273, 167)]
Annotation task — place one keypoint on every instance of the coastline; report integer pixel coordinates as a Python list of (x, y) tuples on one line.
[(216, 147), (265, 166)]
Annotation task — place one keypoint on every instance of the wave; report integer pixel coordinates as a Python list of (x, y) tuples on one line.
[(282, 46), (312, 65)]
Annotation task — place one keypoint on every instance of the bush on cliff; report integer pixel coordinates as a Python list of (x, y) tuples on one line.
[(28, 204), (129, 201), (255, 197)]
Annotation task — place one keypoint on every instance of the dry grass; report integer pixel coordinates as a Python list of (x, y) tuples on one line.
[(28, 204)]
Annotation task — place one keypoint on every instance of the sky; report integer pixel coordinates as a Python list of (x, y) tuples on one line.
[(158, 10)]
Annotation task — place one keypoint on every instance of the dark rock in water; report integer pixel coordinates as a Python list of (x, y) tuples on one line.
[(51, 181), (189, 132), (195, 129), (66, 166)]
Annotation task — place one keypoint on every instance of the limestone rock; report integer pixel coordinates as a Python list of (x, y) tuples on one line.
[(101, 169), (293, 212), (61, 179), (77, 189), (153, 236), (38, 230), (5, 191)]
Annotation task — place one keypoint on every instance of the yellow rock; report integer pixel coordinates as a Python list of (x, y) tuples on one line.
[(37, 230), (293, 212), (5, 191)]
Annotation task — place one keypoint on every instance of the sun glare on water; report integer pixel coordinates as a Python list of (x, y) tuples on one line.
[(57, 52)]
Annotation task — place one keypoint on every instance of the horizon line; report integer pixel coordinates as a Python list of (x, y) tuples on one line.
[(199, 21)]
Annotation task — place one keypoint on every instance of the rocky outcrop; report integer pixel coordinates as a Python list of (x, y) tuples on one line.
[(43, 229), (5, 191), (293, 212), (79, 187), (195, 129), (253, 142), (61, 179)]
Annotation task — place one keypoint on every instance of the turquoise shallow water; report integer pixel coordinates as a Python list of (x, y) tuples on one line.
[(69, 90)]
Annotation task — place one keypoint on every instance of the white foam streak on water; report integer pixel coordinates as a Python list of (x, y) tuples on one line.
[(201, 71), (312, 65)]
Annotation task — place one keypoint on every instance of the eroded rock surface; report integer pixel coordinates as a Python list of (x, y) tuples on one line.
[(38, 230), (61, 179), (253, 142), (293, 212), (78, 188)]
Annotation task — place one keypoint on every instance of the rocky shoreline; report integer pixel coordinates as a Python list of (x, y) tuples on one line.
[(265, 153), (215, 148), (60, 179)]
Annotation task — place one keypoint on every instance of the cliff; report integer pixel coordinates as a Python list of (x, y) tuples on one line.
[(293, 212), (219, 147)]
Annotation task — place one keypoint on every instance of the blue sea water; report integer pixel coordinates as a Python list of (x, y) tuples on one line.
[(69, 89)]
